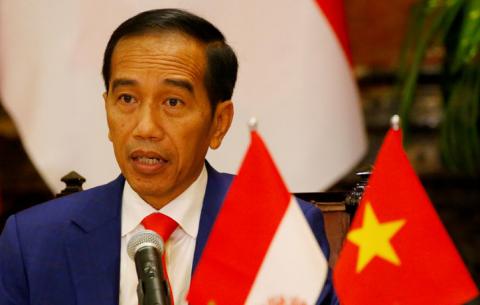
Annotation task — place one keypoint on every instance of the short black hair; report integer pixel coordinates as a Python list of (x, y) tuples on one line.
[(222, 65)]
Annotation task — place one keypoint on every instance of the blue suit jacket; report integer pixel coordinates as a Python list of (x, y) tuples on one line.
[(67, 251)]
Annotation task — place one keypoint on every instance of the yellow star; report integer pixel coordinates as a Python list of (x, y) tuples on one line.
[(373, 239)]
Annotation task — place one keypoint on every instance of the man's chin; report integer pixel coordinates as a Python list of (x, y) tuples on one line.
[(146, 189), (154, 197)]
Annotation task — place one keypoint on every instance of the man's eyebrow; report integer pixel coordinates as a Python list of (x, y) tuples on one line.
[(180, 83), (123, 82)]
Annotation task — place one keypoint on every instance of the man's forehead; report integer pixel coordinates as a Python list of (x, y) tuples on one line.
[(170, 52)]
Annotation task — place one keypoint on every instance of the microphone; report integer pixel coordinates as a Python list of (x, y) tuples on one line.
[(146, 248)]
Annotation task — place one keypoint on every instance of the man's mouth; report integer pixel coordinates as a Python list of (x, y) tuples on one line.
[(148, 162)]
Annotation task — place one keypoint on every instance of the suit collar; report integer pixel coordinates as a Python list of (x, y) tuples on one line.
[(101, 205), (217, 187), (93, 242)]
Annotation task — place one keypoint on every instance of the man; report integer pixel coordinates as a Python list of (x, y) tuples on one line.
[(169, 78)]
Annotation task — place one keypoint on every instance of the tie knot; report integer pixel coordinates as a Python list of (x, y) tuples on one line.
[(161, 224)]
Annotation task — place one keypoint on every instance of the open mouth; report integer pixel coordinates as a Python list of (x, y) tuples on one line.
[(147, 161), (147, 158)]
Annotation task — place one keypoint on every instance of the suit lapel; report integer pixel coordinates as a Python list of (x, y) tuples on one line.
[(217, 187), (93, 246)]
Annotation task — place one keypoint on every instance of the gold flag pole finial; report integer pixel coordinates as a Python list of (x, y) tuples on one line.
[(253, 124), (395, 122)]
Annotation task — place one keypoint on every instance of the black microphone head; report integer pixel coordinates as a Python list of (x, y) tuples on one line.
[(144, 238)]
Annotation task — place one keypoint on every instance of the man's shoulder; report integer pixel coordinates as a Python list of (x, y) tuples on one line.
[(222, 182), (307, 207), (62, 209), (217, 180)]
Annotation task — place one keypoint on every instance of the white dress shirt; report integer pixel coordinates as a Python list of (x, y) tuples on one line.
[(179, 249)]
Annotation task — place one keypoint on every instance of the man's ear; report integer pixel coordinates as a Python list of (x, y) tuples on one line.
[(222, 119), (105, 96)]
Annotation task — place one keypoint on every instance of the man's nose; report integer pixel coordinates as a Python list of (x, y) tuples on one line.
[(148, 123)]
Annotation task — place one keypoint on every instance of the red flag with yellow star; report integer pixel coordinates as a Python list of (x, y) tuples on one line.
[(397, 250)]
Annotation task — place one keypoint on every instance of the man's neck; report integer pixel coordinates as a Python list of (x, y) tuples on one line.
[(159, 202)]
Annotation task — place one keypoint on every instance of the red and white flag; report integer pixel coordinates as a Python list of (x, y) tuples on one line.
[(261, 249), (294, 67)]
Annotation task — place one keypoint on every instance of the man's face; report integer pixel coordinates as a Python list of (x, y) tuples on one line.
[(159, 116)]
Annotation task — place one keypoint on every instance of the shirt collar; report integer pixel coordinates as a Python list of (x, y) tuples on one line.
[(185, 209)]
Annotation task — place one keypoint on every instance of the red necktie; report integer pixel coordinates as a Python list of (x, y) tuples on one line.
[(163, 226)]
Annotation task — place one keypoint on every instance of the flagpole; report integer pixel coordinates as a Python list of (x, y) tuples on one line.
[(253, 124), (395, 122)]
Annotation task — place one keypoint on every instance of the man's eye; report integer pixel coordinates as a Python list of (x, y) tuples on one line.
[(173, 102), (126, 98)]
